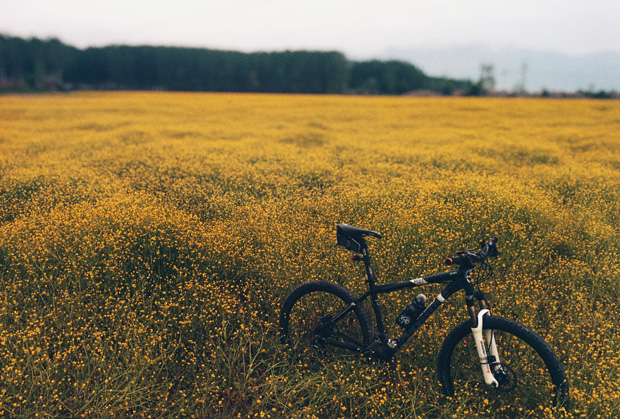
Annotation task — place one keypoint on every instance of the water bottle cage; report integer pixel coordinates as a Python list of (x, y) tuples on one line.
[(405, 318), (411, 312)]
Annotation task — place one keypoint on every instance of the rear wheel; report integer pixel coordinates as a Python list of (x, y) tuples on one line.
[(306, 320), (529, 373)]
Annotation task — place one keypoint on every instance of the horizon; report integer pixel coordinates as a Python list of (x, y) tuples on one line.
[(353, 56), (360, 29), (515, 69)]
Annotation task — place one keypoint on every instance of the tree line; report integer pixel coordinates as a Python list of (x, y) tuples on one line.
[(40, 65)]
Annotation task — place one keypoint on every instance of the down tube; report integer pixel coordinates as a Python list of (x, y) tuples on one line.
[(438, 301)]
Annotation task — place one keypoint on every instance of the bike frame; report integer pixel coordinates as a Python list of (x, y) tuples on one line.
[(488, 333), (457, 280)]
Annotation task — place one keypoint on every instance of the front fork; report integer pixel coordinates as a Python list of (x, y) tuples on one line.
[(480, 337)]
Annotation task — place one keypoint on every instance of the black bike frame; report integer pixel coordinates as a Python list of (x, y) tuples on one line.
[(457, 280)]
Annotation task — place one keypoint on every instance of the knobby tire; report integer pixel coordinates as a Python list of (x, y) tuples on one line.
[(533, 376), (305, 320)]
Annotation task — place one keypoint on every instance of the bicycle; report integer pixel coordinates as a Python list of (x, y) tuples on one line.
[(490, 357)]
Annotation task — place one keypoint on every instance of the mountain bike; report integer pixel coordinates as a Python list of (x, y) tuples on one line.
[(485, 357)]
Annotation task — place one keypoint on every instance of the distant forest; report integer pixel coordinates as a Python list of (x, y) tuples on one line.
[(51, 65)]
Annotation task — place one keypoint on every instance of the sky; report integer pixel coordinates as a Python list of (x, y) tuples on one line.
[(358, 28)]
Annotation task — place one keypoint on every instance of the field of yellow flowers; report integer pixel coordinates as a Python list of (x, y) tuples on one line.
[(147, 241)]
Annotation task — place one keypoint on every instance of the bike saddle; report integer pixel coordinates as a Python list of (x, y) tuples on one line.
[(349, 230)]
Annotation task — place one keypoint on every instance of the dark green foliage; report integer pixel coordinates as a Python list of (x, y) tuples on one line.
[(448, 87), (386, 77), (33, 64), (38, 65)]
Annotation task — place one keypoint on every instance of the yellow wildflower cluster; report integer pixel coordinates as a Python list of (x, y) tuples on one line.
[(147, 241)]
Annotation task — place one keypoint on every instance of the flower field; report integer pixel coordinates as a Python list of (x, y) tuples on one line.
[(148, 240)]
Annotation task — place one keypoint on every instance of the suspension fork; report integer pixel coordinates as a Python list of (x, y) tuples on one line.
[(488, 334), (490, 358)]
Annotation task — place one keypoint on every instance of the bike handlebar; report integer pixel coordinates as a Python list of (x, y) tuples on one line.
[(468, 258)]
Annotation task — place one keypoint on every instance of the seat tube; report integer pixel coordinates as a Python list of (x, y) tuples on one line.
[(374, 297), (369, 273)]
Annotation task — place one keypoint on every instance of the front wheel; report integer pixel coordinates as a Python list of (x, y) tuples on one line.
[(319, 317), (529, 373)]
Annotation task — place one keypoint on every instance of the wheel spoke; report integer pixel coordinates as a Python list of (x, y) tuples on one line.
[(310, 322), (526, 369)]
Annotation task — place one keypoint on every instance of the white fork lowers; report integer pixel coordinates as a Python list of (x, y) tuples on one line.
[(482, 352)]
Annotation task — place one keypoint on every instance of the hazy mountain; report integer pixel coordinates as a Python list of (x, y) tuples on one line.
[(513, 68)]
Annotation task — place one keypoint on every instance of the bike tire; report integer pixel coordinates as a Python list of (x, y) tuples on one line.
[(528, 362), (308, 309)]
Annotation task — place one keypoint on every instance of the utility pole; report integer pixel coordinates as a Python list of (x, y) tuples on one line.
[(487, 78), (520, 86)]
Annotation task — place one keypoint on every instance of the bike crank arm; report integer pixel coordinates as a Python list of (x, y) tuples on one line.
[(482, 352)]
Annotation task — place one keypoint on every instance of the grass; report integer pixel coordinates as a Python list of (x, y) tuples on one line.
[(147, 241)]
